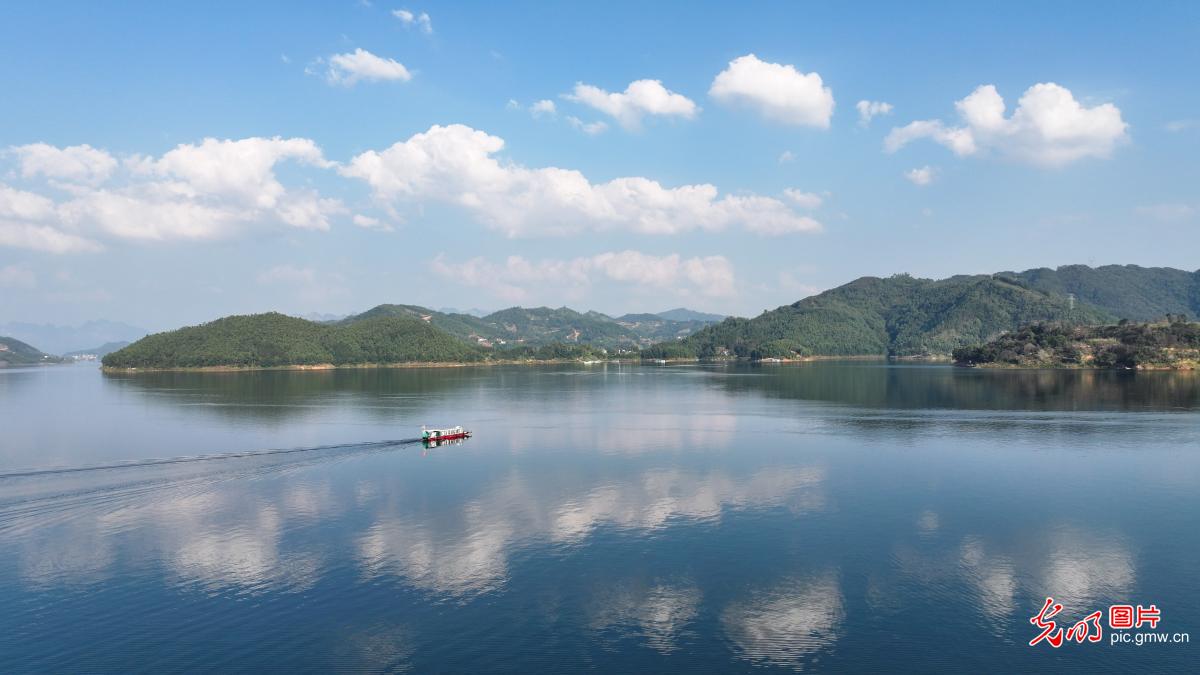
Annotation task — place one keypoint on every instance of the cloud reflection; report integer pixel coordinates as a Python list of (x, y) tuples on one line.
[(468, 554), (659, 614), (783, 625)]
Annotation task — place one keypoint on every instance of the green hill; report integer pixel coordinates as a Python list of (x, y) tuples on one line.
[(1126, 291), (13, 352), (685, 314), (463, 326), (898, 316), (267, 340), (545, 326)]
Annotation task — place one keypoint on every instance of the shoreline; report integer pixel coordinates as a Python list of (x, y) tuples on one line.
[(468, 364), (1067, 366), (350, 366)]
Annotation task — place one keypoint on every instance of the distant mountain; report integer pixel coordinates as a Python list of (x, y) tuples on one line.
[(474, 311), (320, 317), (542, 326), (98, 352), (899, 316), (63, 339), (462, 326), (14, 352), (684, 314), (268, 340), (655, 328)]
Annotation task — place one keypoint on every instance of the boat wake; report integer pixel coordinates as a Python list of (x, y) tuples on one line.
[(32, 499), (187, 459)]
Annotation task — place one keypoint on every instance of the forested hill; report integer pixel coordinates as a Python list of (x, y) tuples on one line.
[(1173, 344), (541, 326), (1127, 291), (13, 352), (268, 340), (900, 316)]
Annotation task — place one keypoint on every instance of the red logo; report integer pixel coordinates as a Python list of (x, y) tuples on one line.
[(1089, 628)]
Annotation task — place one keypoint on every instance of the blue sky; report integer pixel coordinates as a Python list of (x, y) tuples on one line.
[(361, 154)]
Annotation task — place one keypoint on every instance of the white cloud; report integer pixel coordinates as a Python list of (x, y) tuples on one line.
[(640, 98), (409, 19), (512, 104), (362, 66), (30, 221), (456, 164), (922, 176), (17, 276), (544, 107), (806, 200), (786, 157), (73, 164), (710, 276), (196, 191), (779, 92), (589, 128), (1048, 128), (868, 110), (1176, 126), (370, 223)]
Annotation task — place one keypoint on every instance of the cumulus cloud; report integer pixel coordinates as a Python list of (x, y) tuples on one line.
[(786, 157), (777, 91), (868, 110), (1047, 128), (73, 164), (710, 276), (544, 107), (921, 176), (207, 190), (361, 65), (31, 221), (409, 19), (640, 98), (456, 164)]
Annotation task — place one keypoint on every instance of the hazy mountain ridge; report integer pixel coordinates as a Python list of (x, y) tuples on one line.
[(14, 352), (57, 339)]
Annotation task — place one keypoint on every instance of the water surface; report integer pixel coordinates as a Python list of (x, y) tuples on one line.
[(828, 516)]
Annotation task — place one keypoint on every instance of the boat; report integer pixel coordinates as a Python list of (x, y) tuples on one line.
[(436, 435)]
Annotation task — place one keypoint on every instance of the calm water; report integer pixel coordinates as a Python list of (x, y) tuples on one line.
[(820, 517)]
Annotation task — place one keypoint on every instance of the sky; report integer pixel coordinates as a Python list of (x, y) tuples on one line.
[(165, 164)]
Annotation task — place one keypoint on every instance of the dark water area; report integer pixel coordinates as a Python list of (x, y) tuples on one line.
[(811, 517)]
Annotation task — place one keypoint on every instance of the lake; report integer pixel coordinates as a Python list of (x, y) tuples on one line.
[(855, 516)]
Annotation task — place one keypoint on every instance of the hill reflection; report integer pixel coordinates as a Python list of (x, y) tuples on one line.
[(879, 385)]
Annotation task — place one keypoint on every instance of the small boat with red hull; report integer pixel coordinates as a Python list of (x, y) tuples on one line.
[(437, 435)]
